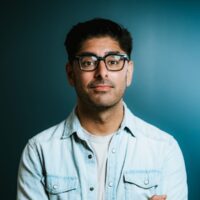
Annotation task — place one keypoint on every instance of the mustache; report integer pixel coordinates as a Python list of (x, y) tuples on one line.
[(106, 82)]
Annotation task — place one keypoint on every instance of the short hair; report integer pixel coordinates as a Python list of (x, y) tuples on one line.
[(97, 27)]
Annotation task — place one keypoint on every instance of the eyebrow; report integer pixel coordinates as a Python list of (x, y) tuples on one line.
[(88, 53)]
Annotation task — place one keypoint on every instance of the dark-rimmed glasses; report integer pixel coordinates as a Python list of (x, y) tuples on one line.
[(90, 62)]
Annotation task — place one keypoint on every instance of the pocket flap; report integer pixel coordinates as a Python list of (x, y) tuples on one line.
[(143, 179), (56, 184)]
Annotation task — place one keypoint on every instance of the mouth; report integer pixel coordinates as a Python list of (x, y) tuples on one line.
[(101, 87)]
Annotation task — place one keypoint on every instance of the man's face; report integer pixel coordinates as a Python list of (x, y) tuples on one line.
[(100, 88)]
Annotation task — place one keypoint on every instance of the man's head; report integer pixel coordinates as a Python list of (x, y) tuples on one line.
[(99, 66), (97, 27)]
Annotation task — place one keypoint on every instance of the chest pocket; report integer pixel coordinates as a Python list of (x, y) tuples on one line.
[(62, 188), (141, 184)]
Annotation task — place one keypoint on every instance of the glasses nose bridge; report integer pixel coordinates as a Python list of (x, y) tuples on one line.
[(99, 58)]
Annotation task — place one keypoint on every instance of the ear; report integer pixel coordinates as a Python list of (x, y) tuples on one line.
[(70, 74), (130, 70)]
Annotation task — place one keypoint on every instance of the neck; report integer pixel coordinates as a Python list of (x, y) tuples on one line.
[(101, 121)]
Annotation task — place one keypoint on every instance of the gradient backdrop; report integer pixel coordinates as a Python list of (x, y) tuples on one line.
[(35, 94)]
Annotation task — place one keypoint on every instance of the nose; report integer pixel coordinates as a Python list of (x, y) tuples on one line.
[(101, 70)]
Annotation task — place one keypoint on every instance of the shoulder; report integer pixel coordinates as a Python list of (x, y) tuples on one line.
[(147, 131), (151, 138), (51, 134), (54, 135), (150, 131)]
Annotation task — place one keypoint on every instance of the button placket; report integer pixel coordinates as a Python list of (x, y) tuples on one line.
[(91, 169), (111, 169)]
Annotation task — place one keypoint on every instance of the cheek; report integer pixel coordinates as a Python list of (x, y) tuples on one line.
[(82, 81), (122, 79)]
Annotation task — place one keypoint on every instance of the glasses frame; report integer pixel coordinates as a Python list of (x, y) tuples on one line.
[(99, 58)]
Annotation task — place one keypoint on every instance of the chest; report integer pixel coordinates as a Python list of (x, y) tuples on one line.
[(133, 171)]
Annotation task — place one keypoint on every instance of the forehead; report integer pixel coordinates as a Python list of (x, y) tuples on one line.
[(100, 45)]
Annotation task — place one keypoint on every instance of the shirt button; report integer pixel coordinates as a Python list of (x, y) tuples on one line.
[(146, 182), (110, 184), (113, 150), (91, 188), (90, 156)]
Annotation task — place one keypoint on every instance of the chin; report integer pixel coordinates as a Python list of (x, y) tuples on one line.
[(103, 105)]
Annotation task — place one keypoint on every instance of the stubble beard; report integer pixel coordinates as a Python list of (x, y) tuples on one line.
[(96, 103)]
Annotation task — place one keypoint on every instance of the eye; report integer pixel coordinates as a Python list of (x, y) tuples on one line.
[(88, 61), (112, 62)]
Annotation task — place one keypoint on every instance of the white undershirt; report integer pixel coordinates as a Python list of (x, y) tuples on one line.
[(100, 145)]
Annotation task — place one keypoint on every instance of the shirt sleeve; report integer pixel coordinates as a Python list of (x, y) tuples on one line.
[(30, 175), (174, 172)]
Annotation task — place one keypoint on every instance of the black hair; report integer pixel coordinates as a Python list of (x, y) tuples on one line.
[(97, 27)]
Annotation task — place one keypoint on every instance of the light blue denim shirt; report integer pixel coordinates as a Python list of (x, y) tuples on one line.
[(59, 164)]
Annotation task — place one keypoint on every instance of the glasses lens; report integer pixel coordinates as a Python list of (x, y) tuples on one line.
[(88, 63), (114, 62)]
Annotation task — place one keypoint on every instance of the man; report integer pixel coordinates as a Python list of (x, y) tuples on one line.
[(101, 151)]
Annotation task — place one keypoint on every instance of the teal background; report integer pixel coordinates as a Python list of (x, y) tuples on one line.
[(35, 94)]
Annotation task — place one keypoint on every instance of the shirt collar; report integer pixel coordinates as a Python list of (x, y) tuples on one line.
[(128, 122), (72, 124)]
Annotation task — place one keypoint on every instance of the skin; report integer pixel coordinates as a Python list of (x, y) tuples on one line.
[(100, 92), (158, 197)]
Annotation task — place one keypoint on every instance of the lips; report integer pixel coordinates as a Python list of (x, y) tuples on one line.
[(103, 85)]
